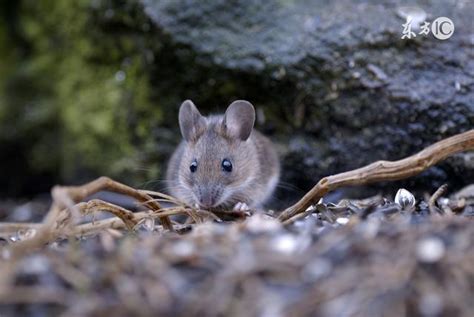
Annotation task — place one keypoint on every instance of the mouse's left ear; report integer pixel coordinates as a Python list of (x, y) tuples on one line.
[(239, 119), (191, 122)]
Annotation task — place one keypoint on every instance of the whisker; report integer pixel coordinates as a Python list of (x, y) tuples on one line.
[(153, 183), (286, 185)]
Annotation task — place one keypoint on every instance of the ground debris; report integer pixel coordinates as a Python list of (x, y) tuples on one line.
[(368, 257)]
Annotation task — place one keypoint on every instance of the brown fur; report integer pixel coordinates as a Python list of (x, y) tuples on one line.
[(255, 162)]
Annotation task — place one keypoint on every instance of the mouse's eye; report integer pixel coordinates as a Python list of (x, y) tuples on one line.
[(193, 167), (226, 165)]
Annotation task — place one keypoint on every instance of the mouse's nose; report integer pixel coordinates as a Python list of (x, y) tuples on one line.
[(207, 199)]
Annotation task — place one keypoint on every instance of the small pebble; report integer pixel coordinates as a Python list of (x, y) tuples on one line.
[(183, 248), (149, 224), (430, 250), (285, 243), (342, 220), (404, 198), (259, 223)]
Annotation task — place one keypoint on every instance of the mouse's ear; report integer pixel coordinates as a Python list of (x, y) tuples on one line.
[(239, 119), (191, 122)]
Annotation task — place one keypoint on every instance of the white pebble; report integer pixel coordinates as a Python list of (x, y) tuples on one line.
[(149, 224), (285, 243), (259, 223), (183, 248), (430, 250), (342, 220), (404, 198)]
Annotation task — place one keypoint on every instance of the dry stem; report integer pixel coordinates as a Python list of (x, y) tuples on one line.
[(67, 199), (437, 194), (384, 170), (79, 193)]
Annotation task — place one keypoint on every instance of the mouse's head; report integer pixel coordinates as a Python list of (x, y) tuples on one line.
[(219, 158)]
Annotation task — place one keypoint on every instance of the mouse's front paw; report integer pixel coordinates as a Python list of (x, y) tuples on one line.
[(241, 207)]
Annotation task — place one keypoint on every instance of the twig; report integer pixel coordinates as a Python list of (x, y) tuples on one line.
[(125, 215), (111, 223), (66, 199), (79, 193), (298, 217), (53, 223), (437, 194), (385, 170), (117, 223), (13, 227)]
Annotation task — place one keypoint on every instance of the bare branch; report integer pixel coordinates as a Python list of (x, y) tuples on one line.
[(79, 193), (384, 170)]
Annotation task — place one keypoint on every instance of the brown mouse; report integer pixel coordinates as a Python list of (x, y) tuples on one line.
[(223, 162)]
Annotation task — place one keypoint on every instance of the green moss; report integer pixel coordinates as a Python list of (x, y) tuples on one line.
[(85, 94), (90, 87)]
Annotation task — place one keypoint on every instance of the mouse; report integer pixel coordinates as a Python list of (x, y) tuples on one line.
[(222, 162)]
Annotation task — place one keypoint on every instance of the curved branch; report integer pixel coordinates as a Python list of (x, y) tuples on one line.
[(79, 193), (384, 170)]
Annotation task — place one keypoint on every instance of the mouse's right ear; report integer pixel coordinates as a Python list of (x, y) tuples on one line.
[(239, 119), (191, 122)]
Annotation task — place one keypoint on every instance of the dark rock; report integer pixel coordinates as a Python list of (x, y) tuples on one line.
[(358, 92)]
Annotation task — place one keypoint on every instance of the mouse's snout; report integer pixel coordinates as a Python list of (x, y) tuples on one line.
[(208, 196), (206, 200)]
